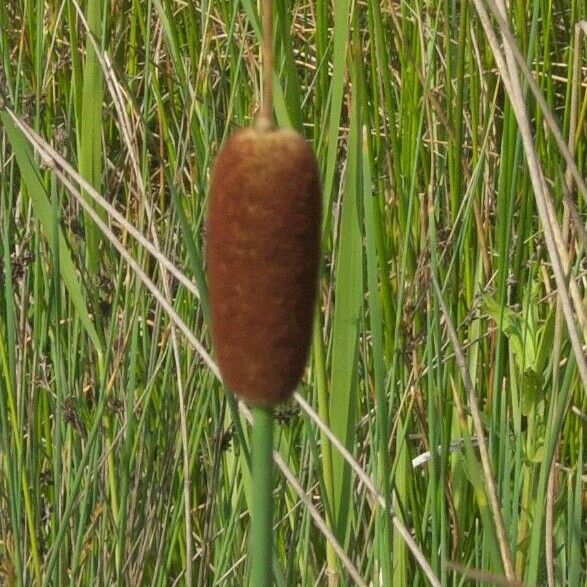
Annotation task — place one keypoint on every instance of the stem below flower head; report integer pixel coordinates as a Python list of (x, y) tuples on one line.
[(261, 540)]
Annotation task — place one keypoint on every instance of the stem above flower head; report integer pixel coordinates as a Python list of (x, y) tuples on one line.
[(265, 118)]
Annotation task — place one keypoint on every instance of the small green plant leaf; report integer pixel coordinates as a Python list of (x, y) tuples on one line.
[(532, 392)]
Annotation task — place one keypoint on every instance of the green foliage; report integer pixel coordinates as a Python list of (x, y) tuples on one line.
[(423, 170)]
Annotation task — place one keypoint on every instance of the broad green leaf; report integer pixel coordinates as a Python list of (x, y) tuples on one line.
[(532, 392), (347, 314), (519, 334), (89, 131)]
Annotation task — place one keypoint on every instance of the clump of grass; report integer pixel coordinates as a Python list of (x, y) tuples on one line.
[(122, 462)]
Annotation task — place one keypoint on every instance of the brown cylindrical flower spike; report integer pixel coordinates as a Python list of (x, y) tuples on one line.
[(263, 248)]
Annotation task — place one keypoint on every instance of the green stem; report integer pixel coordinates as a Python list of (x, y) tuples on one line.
[(323, 411), (261, 544)]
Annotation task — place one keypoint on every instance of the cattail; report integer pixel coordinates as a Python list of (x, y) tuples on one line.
[(262, 254)]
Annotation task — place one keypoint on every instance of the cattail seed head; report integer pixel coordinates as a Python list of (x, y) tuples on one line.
[(263, 247)]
